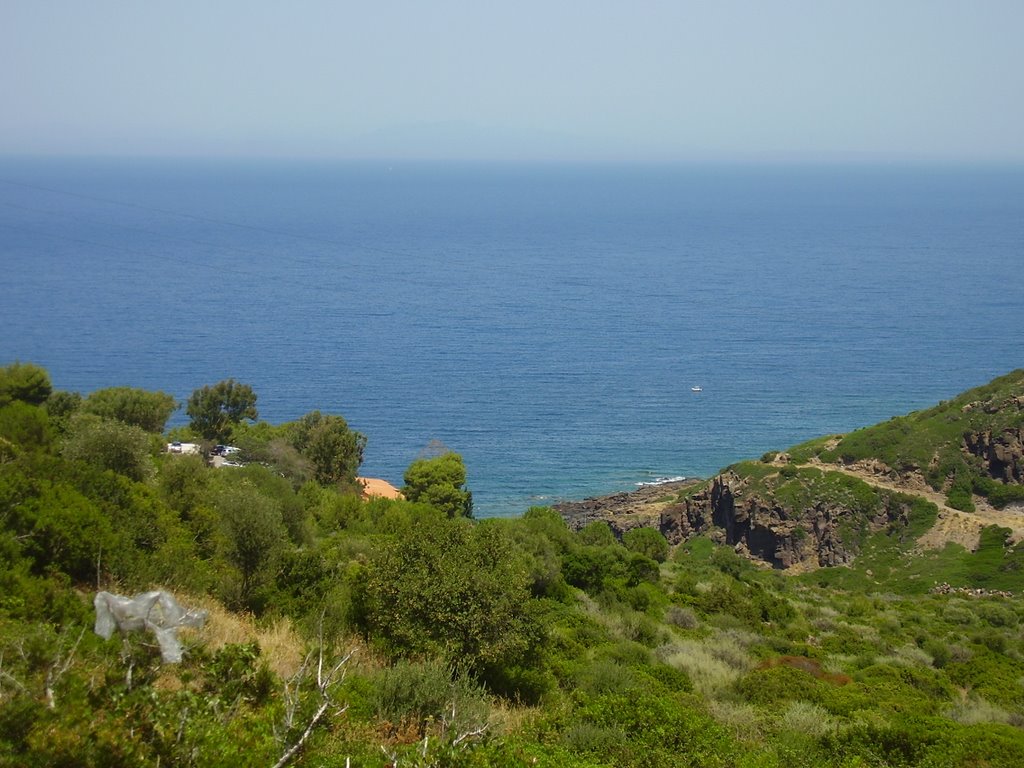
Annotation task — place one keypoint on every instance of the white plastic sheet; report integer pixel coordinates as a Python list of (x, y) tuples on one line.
[(158, 612)]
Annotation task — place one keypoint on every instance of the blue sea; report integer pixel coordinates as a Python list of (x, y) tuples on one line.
[(546, 322)]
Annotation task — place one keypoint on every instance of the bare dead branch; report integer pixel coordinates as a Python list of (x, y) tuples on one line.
[(294, 748), (61, 664), (470, 735), (293, 697)]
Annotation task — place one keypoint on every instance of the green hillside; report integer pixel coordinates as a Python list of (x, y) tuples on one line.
[(369, 632), (934, 442)]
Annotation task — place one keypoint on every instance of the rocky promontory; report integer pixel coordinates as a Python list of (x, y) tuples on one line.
[(947, 471), (823, 528), (624, 510)]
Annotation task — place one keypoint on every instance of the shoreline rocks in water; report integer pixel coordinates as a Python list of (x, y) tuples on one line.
[(624, 510)]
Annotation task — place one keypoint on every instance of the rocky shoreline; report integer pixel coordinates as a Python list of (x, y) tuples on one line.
[(625, 510)]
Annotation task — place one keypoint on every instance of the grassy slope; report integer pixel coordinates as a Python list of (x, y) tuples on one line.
[(930, 441)]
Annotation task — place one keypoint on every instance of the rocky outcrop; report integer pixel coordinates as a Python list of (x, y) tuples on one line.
[(820, 535), (1002, 453), (622, 511)]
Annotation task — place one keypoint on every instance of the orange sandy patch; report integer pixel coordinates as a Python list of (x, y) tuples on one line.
[(374, 486)]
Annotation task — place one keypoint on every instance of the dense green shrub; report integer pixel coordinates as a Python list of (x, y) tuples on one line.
[(454, 589), (147, 410), (24, 382), (648, 542), (112, 445), (596, 534), (334, 450), (24, 427)]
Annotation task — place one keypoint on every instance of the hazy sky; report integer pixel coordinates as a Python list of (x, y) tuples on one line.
[(515, 80)]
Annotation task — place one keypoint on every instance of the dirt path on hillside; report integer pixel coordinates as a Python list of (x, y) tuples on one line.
[(963, 528)]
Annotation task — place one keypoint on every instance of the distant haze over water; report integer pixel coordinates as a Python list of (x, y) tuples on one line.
[(546, 322)]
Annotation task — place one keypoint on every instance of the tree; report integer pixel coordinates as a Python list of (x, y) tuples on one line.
[(254, 534), (597, 534), (26, 382), (215, 409), (441, 482), (138, 407), (335, 451), (25, 425), (64, 530), (110, 445), (648, 542), (453, 587)]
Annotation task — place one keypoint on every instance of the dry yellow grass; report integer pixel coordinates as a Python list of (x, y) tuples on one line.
[(280, 645)]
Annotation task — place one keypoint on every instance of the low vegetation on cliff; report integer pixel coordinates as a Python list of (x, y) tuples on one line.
[(349, 631), (972, 444)]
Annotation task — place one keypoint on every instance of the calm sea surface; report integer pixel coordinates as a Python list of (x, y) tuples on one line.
[(547, 323)]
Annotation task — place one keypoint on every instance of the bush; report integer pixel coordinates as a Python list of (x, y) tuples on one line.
[(334, 450), (728, 562), (660, 731), (66, 531), (806, 719), (960, 498), (451, 588), (416, 693), (648, 542), (594, 739), (254, 537), (440, 481), (709, 674), (147, 410), (597, 534), (683, 618), (939, 652), (112, 445), (25, 426), (976, 710), (603, 676)]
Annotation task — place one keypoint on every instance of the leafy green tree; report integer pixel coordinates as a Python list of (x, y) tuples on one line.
[(254, 534), (110, 445), (214, 410), (25, 382), (335, 451), (64, 530), (597, 534), (451, 587), (25, 425), (648, 542), (440, 481), (138, 407)]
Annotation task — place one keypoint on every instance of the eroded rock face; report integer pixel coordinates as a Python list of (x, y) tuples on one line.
[(768, 531), (728, 512), (1002, 453)]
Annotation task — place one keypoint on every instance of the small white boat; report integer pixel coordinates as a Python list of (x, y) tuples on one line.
[(696, 389)]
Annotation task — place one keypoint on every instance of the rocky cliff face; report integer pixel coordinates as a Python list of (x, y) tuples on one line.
[(821, 535), (1001, 450), (1001, 453)]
